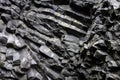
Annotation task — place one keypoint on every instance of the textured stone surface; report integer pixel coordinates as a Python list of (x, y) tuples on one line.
[(59, 40)]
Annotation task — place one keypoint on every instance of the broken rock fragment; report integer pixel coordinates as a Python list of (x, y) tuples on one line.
[(45, 50), (100, 55)]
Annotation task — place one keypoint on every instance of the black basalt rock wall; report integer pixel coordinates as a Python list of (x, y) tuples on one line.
[(59, 40)]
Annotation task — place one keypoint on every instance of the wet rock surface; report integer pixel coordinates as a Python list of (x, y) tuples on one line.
[(59, 40)]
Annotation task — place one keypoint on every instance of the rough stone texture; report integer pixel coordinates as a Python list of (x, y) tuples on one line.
[(59, 40)]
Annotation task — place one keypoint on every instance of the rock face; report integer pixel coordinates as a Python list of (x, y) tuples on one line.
[(59, 40)]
